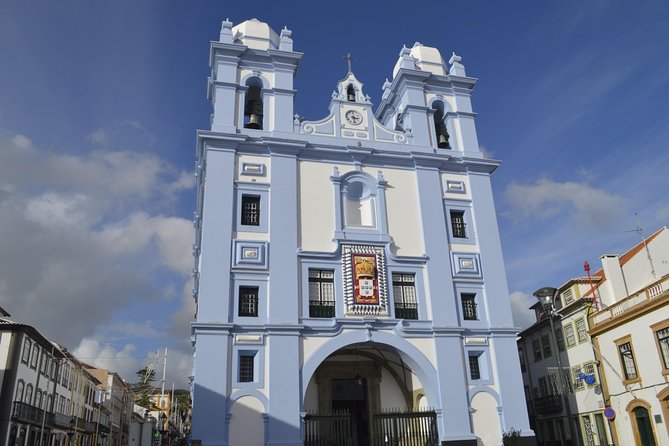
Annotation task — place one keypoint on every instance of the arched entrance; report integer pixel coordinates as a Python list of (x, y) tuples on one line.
[(367, 393)]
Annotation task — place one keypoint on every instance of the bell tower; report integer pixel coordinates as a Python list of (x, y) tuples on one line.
[(252, 67)]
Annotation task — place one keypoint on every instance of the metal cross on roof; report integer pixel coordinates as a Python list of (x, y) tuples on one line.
[(348, 58)]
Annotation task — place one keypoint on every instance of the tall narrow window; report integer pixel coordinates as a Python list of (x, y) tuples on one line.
[(19, 391), (469, 306), (581, 330), (34, 359), (474, 367), (569, 335), (246, 368), (404, 293), (627, 359), (663, 342), (253, 108), (578, 382), (25, 358), (458, 224), (440, 127), (536, 348), (248, 301), (251, 210), (546, 346), (560, 339), (321, 293)]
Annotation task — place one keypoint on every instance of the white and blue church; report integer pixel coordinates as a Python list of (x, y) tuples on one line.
[(349, 277)]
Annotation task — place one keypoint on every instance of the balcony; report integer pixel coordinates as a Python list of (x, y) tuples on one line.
[(406, 310), (322, 309), (635, 301), (546, 405), (26, 413)]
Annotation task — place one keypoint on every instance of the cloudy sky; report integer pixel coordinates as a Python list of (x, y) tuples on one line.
[(99, 103)]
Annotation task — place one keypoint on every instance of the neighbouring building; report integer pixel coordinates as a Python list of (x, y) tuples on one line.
[(48, 397), (119, 402), (546, 392), (349, 274), (631, 339), (612, 332)]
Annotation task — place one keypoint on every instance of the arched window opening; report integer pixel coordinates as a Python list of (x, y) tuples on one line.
[(19, 391), (253, 109), (29, 394), (350, 93), (440, 126)]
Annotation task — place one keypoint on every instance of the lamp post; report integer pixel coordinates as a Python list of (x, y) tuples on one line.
[(546, 296), (163, 431)]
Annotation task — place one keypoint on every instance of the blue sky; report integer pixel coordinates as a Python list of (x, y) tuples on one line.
[(99, 103)]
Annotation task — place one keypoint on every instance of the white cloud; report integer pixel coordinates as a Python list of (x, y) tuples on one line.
[(596, 208), (523, 317), (122, 360), (92, 241)]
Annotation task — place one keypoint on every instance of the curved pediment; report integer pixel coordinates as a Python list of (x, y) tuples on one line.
[(351, 116)]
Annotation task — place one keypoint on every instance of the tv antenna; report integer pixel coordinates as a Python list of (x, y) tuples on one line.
[(639, 230)]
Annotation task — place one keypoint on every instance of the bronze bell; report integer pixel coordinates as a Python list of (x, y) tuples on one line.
[(443, 141), (254, 122)]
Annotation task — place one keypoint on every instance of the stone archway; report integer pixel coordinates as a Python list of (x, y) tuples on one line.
[(372, 386), (410, 355)]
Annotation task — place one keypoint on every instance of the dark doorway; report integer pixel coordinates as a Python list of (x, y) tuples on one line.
[(644, 427), (351, 395)]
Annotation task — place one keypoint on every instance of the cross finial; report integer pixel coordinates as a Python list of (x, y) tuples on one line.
[(348, 58)]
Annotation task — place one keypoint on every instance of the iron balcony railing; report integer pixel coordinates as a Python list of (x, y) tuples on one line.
[(548, 404), (27, 413), (406, 310), (322, 309)]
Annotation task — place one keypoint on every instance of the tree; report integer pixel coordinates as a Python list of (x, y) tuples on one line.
[(143, 388)]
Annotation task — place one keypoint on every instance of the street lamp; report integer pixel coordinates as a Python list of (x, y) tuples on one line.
[(546, 296), (163, 431)]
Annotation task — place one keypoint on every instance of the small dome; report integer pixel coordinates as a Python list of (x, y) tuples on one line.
[(256, 34), (427, 59)]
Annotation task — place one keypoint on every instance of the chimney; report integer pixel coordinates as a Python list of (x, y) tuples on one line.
[(615, 281)]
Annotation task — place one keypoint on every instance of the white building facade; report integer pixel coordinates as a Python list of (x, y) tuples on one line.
[(631, 338), (348, 270)]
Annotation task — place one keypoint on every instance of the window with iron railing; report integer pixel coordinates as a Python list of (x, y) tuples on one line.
[(321, 293), (458, 224), (246, 368), (474, 367), (251, 210), (469, 312), (404, 293), (248, 301)]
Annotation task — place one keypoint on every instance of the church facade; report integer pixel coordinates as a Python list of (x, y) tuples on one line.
[(349, 275)]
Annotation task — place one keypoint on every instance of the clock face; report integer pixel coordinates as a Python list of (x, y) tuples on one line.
[(353, 117)]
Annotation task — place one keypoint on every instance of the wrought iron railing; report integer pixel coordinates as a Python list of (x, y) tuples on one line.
[(327, 430), (405, 428), (548, 404), (322, 309), (406, 310), (30, 414), (469, 310)]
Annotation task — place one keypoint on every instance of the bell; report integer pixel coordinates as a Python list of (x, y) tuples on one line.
[(443, 141), (351, 96), (254, 122)]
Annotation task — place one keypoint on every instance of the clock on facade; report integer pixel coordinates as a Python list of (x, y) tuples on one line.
[(353, 117)]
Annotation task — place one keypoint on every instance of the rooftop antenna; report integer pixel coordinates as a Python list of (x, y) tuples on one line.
[(639, 230)]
